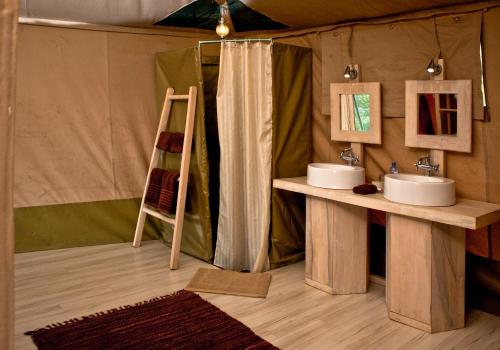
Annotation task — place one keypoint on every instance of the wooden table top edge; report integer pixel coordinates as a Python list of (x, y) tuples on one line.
[(484, 213)]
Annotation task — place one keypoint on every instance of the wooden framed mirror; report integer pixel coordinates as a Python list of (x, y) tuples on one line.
[(355, 112), (439, 114)]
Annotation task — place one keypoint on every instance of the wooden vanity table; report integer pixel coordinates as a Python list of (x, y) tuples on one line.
[(425, 277)]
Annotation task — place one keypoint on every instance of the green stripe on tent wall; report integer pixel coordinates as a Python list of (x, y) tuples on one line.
[(79, 224)]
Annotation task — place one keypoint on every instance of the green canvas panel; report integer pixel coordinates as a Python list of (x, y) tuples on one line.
[(292, 108), (79, 224), (181, 69), (210, 69)]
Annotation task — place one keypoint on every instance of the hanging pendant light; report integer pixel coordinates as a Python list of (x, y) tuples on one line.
[(222, 28)]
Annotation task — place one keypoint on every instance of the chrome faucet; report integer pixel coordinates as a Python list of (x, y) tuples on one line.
[(348, 155), (425, 164)]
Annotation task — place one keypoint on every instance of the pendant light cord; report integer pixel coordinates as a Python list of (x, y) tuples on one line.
[(349, 44), (436, 36)]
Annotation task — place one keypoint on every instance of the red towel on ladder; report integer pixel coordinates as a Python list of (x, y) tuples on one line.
[(171, 142), (164, 141), (169, 191), (176, 142), (154, 187)]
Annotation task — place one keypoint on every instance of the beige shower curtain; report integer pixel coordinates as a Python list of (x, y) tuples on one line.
[(244, 109)]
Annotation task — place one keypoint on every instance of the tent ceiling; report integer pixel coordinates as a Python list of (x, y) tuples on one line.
[(294, 13), (204, 14), (140, 13), (311, 13)]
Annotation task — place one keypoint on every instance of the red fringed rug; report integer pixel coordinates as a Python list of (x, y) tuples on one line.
[(182, 320)]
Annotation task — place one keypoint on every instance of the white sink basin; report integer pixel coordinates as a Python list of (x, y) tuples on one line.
[(419, 190), (336, 176)]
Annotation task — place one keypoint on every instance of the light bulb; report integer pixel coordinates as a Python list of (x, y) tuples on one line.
[(430, 66), (222, 30)]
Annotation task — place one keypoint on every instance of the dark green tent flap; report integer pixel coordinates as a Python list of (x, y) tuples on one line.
[(292, 106), (83, 224), (181, 69)]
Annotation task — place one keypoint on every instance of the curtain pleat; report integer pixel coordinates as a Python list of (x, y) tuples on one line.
[(244, 112)]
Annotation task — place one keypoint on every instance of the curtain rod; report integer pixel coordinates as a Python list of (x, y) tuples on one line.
[(202, 42)]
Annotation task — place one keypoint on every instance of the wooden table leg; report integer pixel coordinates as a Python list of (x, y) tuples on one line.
[(336, 246), (425, 273)]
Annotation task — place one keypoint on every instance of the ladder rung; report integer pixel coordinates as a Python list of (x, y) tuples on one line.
[(178, 97), (158, 215)]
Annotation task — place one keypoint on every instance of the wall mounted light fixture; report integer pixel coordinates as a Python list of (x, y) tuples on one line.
[(434, 68), (222, 28), (350, 72)]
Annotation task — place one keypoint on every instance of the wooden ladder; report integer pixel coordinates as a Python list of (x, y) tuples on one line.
[(183, 176)]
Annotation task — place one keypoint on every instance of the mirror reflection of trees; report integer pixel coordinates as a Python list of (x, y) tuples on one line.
[(355, 112)]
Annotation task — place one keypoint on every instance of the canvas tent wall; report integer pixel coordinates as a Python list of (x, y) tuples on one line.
[(83, 151), (85, 125), (291, 145)]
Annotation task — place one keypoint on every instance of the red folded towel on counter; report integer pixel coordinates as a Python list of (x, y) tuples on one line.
[(170, 142), (365, 189), (169, 190)]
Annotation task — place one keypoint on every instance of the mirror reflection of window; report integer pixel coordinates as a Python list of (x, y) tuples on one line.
[(355, 112), (437, 114)]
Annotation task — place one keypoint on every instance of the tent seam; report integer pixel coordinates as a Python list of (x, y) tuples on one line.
[(111, 149)]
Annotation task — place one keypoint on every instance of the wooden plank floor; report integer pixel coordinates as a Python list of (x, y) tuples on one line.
[(56, 285)]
